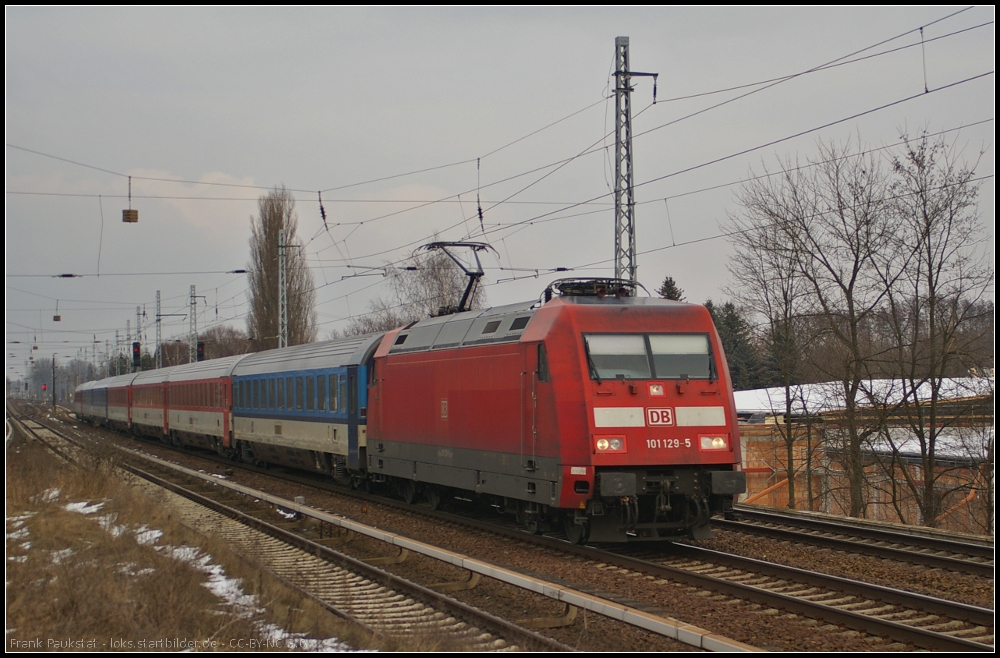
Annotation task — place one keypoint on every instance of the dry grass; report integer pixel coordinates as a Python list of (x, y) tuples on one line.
[(73, 584)]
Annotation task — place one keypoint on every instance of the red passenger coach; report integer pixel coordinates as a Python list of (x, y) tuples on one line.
[(611, 415), (199, 400)]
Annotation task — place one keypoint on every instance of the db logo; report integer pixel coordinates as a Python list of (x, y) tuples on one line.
[(660, 416)]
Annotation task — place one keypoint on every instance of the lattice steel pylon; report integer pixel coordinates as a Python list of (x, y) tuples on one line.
[(282, 292), (193, 324), (625, 256)]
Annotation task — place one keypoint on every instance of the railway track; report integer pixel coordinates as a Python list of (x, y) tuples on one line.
[(934, 551), (925, 622), (898, 616), (914, 621), (376, 597), (370, 597)]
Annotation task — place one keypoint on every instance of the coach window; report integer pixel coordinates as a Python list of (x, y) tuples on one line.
[(333, 393), (310, 393), (256, 394), (270, 397), (281, 393), (290, 392), (298, 393), (321, 392), (342, 395)]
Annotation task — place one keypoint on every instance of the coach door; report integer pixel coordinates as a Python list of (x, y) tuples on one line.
[(353, 452), (165, 406)]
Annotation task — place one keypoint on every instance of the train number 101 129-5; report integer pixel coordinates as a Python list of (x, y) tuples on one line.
[(654, 444)]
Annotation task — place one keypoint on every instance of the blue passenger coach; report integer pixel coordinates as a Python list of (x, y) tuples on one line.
[(305, 406)]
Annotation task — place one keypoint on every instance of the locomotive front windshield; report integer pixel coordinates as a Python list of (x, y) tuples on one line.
[(649, 356)]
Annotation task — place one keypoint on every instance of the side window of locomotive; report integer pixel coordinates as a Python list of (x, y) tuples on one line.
[(543, 364), (321, 392), (311, 393), (681, 356), (617, 356)]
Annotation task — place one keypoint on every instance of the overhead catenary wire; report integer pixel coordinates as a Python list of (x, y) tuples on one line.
[(769, 82), (563, 209)]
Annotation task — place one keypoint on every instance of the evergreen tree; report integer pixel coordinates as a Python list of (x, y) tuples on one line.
[(737, 341), (670, 290)]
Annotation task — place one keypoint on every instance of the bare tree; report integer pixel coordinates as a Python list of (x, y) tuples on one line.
[(931, 306), (222, 340), (832, 219), (425, 285), (766, 278), (276, 212)]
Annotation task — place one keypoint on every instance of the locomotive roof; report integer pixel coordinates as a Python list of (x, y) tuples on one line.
[(325, 354), (492, 325), (500, 324)]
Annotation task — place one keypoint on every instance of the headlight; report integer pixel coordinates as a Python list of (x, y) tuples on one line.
[(606, 444), (715, 442)]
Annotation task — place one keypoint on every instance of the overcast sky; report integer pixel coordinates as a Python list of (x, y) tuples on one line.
[(351, 102)]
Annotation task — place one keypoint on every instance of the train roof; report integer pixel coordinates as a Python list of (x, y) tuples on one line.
[(115, 382), (210, 369), (326, 354), (156, 376)]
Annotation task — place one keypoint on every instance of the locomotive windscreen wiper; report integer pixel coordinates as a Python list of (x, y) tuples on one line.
[(593, 366)]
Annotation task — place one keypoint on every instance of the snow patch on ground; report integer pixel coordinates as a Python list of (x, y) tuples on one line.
[(59, 556), (108, 523), (47, 496), (19, 533), (83, 507), (145, 535)]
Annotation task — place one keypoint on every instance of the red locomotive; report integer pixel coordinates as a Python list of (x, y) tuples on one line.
[(610, 414)]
